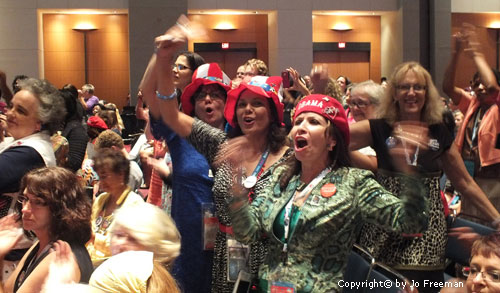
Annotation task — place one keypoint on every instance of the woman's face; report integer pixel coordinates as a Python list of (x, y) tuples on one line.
[(342, 83), (459, 118), (182, 72), (253, 113), (410, 95), (22, 117), (310, 140), (209, 105), (486, 268), (122, 240), (108, 179), (361, 107), (35, 213)]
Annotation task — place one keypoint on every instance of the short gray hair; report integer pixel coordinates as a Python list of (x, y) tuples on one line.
[(374, 90), (52, 110), (88, 88)]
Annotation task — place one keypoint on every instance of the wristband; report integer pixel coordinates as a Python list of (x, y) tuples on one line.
[(170, 97)]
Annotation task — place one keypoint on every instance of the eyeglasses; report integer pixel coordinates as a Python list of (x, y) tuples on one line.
[(213, 95), (472, 272), (404, 88), (34, 203), (180, 67), (359, 104)]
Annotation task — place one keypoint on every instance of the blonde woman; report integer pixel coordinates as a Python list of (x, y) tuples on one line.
[(412, 99)]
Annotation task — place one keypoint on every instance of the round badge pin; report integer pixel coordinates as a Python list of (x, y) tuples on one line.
[(328, 190), (250, 181)]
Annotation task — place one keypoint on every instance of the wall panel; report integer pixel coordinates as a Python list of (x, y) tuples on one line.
[(107, 53)]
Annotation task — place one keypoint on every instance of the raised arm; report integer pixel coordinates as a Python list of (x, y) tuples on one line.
[(473, 49), (157, 85), (449, 88), (463, 182)]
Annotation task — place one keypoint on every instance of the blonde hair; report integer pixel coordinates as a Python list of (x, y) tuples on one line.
[(432, 112), (259, 65), (151, 227), (333, 90), (161, 280)]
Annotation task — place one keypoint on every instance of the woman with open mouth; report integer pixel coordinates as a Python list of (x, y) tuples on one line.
[(315, 204), (253, 109), (412, 99)]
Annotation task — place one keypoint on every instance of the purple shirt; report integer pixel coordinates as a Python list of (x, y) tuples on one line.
[(91, 102)]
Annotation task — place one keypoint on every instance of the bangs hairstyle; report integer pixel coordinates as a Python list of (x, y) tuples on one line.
[(276, 136), (154, 229), (433, 107), (63, 194), (339, 156), (112, 160), (487, 246)]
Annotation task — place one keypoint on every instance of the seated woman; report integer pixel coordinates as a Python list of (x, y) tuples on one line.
[(144, 249), (54, 207), (113, 170), (315, 204), (35, 113), (145, 245)]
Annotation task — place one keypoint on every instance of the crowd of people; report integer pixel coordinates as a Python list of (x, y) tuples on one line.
[(265, 179)]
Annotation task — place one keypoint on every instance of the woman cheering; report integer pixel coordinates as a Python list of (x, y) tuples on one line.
[(411, 97), (253, 109), (316, 203)]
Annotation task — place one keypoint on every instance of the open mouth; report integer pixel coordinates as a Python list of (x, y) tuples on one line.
[(410, 100), (300, 143), (209, 110), (248, 119)]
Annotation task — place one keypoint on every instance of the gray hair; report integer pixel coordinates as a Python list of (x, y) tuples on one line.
[(52, 109), (374, 90), (88, 88)]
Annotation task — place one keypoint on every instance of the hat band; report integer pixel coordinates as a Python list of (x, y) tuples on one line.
[(213, 78), (263, 86)]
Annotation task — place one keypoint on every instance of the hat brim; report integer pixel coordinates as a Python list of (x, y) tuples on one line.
[(234, 94), (190, 90)]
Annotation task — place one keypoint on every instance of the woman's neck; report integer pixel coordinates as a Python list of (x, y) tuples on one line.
[(43, 240), (257, 143), (115, 194), (309, 170)]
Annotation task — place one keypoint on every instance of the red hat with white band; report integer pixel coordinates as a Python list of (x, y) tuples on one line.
[(327, 107), (208, 73), (269, 87)]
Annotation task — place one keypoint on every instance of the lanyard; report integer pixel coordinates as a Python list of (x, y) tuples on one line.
[(288, 207), (407, 156), (251, 180), (475, 128)]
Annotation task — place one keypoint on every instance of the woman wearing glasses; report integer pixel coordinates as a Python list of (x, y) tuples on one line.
[(412, 99), (54, 207), (185, 64), (483, 275), (253, 109)]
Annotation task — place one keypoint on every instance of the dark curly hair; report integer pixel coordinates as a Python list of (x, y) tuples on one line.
[(64, 195)]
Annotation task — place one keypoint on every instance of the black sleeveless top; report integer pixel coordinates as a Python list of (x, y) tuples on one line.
[(81, 255)]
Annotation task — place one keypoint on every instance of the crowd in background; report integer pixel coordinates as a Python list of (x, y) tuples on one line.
[(258, 178)]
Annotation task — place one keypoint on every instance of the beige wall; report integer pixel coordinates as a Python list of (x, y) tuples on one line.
[(364, 29), (107, 53)]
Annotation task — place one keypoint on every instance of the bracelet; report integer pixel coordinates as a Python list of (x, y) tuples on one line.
[(170, 97)]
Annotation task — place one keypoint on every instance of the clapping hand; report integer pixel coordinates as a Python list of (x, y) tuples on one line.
[(10, 234)]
